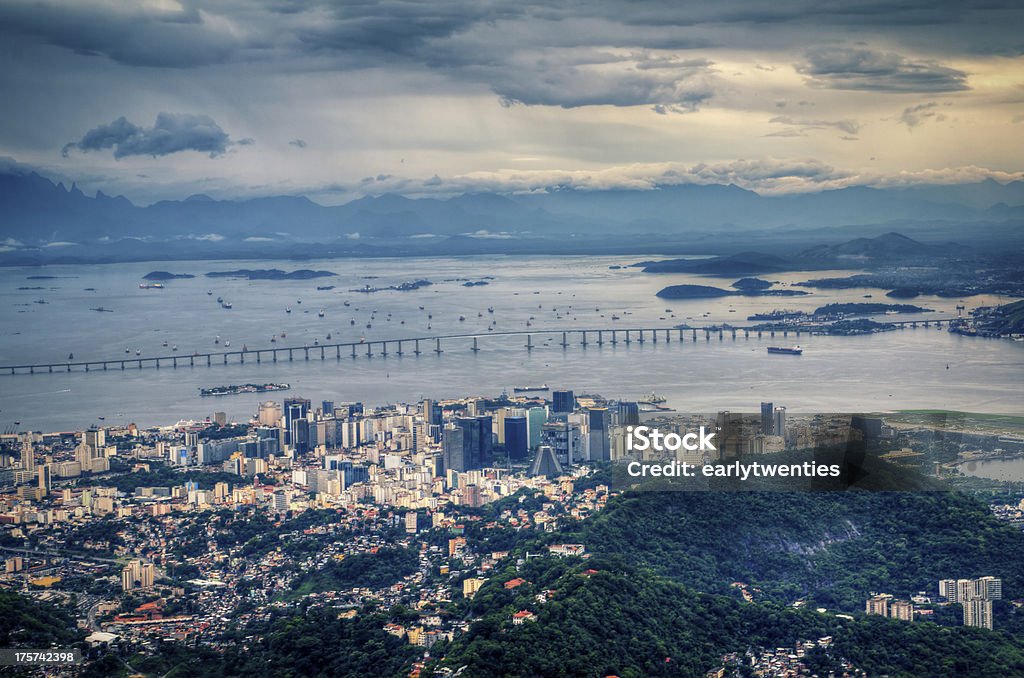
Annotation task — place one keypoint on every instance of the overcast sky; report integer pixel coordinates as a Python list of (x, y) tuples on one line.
[(162, 98)]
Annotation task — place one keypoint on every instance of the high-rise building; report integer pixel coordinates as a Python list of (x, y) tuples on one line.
[(902, 610), (535, 418), (410, 522), (629, 413), (878, 604), (516, 438), (767, 419), (468, 443), (269, 413), (327, 408), (28, 457), (978, 612), (779, 423), (564, 438), (432, 413), (296, 424), (597, 443), (562, 402), (44, 479), (220, 418)]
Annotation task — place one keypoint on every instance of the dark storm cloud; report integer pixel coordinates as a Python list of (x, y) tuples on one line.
[(132, 35), (913, 116), (869, 70), (172, 133)]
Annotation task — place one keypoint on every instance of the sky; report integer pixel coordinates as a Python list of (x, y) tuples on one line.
[(161, 99)]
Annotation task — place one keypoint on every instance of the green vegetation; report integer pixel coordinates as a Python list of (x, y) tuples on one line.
[(370, 570), (626, 621), (32, 624), (161, 476), (867, 309)]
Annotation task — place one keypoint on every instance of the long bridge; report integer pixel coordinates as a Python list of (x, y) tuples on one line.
[(431, 344)]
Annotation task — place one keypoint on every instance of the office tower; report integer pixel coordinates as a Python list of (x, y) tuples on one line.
[(597, 441), (564, 438), (327, 408), (767, 420), (95, 438), (546, 463), (978, 612), (562, 402), (44, 479), (269, 413), (475, 407), (28, 457), (779, 423), (471, 496), (992, 587), (220, 418), (296, 425), (432, 413), (516, 438), (535, 419), (471, 448), (629, 413)]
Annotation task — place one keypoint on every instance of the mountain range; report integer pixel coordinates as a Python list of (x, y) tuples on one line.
[(43, 221)]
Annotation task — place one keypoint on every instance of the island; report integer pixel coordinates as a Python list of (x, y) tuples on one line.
[(271, 274), (867, 309), (242, 388), (745, 289), (165, 275), (401, 287)]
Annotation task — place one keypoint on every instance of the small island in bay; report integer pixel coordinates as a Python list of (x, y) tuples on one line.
[(165, 275), (401, 287), (271, 274), (745, 287), (867, 309)]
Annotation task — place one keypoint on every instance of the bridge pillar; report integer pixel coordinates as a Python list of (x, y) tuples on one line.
[(87, 367), (384, 348), (399, 348), (773, 333), (641, 333), (175, 363), (353, 350), (746, 334), (615, 338), (322, 353), (628, 340), (369, 351), (241, 358), (437, 346), (258, 358), (476, 348), (337, 351), (416, 348), (695, 334), (158, 363), (600, 337), (191, 361), (654, 336), (225, 358), (668, 336), (734, 333), (140, 364), (584, 342), (290, 355), (529, 342), (48, 366), (306, 350), (759, 334), (798, 333), (565, 340)]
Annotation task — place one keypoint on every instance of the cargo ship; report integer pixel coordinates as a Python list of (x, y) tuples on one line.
[(786, 350), (242, 388)]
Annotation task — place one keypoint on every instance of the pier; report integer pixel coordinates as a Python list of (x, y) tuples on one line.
[(471, 341)]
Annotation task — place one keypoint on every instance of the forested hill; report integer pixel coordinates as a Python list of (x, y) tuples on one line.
[(666, 561)]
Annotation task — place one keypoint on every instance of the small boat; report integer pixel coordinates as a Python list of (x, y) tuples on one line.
[(71, 356), (430, 316), (462, 318), (138, 351), (298, 301), (284, 334), (244, 348), (165, 344), (347, 304), (368, 325), (490, 309), (287, 309), (421, 308), (328, 336), (209, 293), (226, 304), (220, 300), (174, 348), (127, 350), (227, 343), (320, 313), (216, 339), (273, 339), (351, 322)]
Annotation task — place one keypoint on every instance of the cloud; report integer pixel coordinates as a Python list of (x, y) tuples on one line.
[(870, 70), (172, 133), (913, 116), (572, 78), (848, 126), (298, 143)]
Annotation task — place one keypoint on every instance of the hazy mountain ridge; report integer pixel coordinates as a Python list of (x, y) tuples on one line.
[(36, 215)]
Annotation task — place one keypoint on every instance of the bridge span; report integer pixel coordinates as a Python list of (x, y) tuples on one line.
[(432, 344)]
